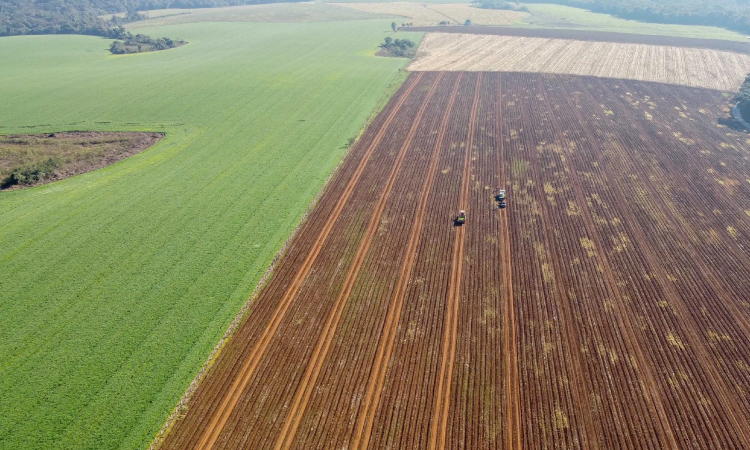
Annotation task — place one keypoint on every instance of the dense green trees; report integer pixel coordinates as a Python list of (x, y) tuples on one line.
[(500, 4), (742, 99), (82, 16), (400, 48)]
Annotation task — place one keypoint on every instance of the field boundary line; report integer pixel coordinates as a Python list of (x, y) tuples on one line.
[(371, 402), (182, 404), (439, 426), (219, 418), (623, 316), (514, 437), (706, 362), (304, 390)]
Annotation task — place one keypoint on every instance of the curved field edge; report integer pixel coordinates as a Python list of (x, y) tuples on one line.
[(28, 160), (117, 284)]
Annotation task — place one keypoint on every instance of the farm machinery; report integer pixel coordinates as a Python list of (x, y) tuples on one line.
[(461, 219), (500, 198)]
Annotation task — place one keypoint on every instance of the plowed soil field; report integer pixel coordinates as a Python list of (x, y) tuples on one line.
[(606, 307)]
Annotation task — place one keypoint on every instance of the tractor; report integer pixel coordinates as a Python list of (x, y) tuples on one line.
[(500, 198), (461, 219)]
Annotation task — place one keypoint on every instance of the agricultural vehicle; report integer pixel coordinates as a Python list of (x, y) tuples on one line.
[(500, 198), (461, 219)]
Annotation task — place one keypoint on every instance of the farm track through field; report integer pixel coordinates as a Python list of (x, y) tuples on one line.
[(375, 385), (514, 439), (605, 307), (440, 418)]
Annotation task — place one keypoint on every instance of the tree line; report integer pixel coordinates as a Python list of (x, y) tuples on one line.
[(729, 14), (742, 99), (20, 17), (136, 43), (500, 4)]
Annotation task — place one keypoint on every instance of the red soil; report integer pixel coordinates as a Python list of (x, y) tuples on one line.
[(605, 307)]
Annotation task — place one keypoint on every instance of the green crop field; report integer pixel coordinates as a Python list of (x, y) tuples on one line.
[(270, 12), (115, 285), (559, 16)]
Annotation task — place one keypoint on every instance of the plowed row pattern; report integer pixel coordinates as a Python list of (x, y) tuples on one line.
[(606, 307)]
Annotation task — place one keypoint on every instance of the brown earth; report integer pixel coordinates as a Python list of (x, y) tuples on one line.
[(76, 152), (605, 307), (594, 36)]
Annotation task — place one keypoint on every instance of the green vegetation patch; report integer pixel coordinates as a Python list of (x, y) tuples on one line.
[(742, 99), (27, 160), (398, 48), (559, 16), (115, 285)]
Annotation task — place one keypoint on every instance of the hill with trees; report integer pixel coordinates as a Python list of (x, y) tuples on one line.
[(18, 17)]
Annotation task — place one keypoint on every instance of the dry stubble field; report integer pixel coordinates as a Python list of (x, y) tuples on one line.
[(606, 307), (696, 67)]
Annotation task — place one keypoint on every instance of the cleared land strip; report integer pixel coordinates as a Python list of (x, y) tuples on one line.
[(605, 307), (440, 416), (695, 67), (513, 439)]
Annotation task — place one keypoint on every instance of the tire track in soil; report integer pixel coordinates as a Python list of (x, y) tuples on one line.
[(514, 439), (220, 417), (682, 312), (371, 401), (623, 317), (439, 427), (302, 396)]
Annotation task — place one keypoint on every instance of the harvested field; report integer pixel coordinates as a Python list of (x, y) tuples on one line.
[(605, 307), (424, 14), (711, 69), (595, 36)]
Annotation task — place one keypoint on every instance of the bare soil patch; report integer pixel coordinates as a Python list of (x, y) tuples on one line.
[(30, 160)]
